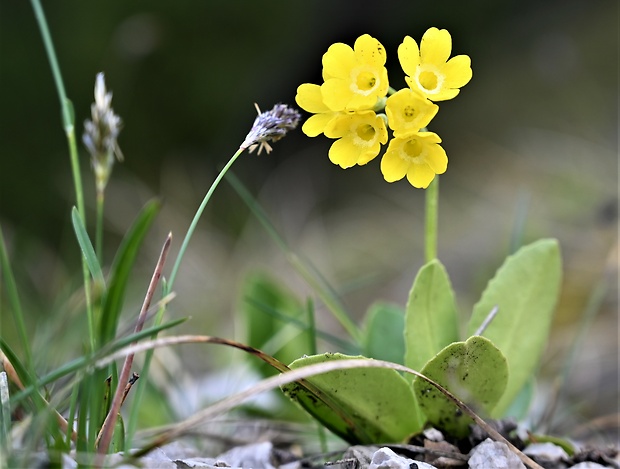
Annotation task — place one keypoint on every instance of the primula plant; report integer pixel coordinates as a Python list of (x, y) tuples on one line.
[(405, 368), (491, 367)]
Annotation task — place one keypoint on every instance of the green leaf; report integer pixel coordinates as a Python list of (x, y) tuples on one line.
[(362, 406), (383, 333), (431, 321), (475, 371), (121, 269), (87, 248), (270, 310), (526, 289)]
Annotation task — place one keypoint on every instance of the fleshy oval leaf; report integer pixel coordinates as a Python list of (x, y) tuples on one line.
[(475, 371), (360, 405), (525, 289), (431, 321), (383, 333)]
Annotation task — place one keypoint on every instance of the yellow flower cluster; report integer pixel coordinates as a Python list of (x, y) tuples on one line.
[(348, 105)]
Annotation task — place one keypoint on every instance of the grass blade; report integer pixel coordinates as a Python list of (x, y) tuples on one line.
[(121, 269), (87, 248), (84, 361), (13, 297), (325, 292)]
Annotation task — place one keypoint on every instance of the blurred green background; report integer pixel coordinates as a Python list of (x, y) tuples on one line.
[(532, 143)]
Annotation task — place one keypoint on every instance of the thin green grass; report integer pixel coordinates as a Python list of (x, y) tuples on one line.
[(305, 269), (68, 123), (14, 301)]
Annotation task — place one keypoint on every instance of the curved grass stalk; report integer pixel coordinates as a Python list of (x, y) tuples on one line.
[(68, 120), (286, 376)]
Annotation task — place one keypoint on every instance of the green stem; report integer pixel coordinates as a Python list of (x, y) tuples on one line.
[(99, 226), (69, 128), (141, 387), (197, 216), (432, 197)]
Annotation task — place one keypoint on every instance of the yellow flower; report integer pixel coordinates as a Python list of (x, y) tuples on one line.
[(354, 78), (428, 68), (418, 156), (360, 136), (408, 111), (309, 99)]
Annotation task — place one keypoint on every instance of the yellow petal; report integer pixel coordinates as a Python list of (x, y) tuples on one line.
[(435, 46), (409, 56), (445, 94), (436, 158), (429, 137), (339, 126), (315, 125), (338, 61), (457, 71), (358, 102), (393, 167), (344, 153), (370, 51), (369, 155), (336, 94), (309, 98), (420, 175)]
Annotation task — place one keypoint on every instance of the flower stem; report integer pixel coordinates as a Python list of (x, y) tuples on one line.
[(133, 418), (432, 197), (99, 226), (68, 120), (197, 216)]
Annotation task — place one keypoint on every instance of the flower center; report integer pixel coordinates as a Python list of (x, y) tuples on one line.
[(412, 151), (409, 113), (429, 79), (366, 133), (365, 82)]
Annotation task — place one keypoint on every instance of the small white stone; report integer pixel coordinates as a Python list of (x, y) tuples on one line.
[(588, 465), (385, 458), (257, 455), (433, 434), (494, 454), (547, 451)]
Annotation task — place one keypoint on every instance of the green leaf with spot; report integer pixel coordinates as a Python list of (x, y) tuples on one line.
[(360, 405), (525, 289), (475, 371), (431, 321)]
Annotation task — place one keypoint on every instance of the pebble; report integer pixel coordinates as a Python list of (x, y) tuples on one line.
[(494, 454), (385, 458)]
